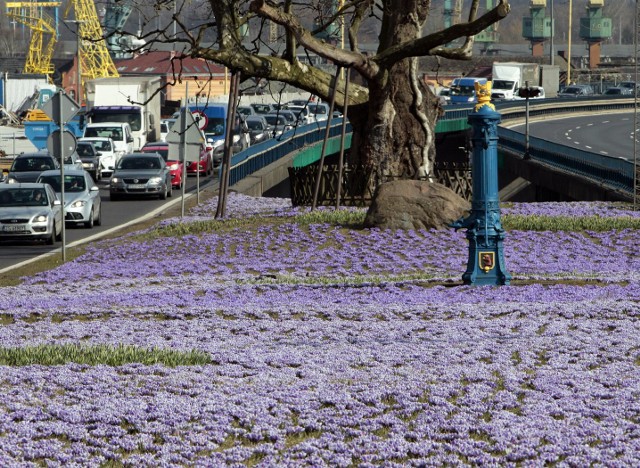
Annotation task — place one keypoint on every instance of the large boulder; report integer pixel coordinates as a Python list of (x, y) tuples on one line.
[(415, 204)]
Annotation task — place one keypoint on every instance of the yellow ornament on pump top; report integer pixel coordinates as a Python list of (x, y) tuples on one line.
[(483, 92)]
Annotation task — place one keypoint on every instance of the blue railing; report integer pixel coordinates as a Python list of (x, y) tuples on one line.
[(261, 155), (612, 172), (604, 170)]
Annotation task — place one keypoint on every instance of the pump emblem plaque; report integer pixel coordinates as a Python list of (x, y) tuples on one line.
[(487, 261)]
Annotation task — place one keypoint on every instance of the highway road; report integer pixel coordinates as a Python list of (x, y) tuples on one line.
[(114, 215), (609, 134)]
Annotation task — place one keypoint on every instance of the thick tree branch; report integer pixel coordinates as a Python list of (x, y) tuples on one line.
[(428, 44), (299, 74), (342, 57)]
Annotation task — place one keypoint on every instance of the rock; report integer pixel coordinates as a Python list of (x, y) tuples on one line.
[(415, 204)]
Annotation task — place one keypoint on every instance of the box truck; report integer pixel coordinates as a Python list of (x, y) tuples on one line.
[(130, 99), (508, 77)]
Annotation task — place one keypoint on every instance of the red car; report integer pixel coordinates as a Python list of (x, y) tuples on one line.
[(175, 166), (205, 163)]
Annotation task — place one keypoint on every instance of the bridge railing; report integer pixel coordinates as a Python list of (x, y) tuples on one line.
[(608, 171), (612, 172), (258, 156)]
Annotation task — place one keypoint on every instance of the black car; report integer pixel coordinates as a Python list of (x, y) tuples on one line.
[(90, 158), (259, 129), (27, 167)]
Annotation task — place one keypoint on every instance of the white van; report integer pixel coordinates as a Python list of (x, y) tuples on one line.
[(119, 132)]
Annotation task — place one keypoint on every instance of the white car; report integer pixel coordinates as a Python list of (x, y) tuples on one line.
[(30, 211), (165, 127), (319, 111), (82, 202), (303, 114), (108, 155)]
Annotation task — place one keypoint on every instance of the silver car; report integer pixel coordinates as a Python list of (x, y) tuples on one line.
[(82, 202), (30, 211), (144, 174)]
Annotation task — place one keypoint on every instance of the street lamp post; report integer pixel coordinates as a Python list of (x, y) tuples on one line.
[(569, 44), (551, 57)]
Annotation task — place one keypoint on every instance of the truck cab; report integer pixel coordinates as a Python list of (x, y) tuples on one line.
[(212, 120)]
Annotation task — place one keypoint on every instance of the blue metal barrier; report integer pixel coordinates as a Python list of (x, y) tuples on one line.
[(616, 173), (261, 155), (611, 172)]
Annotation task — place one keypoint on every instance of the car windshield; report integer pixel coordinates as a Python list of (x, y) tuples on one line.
[(161, 150), (115, 133), (274, 120), (255, 125), (102, 145), (72, 183), (572, 90), (502, 84), (289, 116), (84, 150), (463, 91), (23, 197), (32, 164), (139, 163), (318, 109)]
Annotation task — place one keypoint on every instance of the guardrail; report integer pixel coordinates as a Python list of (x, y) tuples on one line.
[(604, 170), (614, 173), (261, 155)]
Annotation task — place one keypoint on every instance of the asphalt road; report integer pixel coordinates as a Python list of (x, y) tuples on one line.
[(115, 216), (610, 134)]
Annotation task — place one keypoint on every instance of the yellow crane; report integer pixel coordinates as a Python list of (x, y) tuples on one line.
[(95, 60), (94, 56), (43, 34)]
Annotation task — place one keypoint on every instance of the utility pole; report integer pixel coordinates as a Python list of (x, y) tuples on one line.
[(78, 59)]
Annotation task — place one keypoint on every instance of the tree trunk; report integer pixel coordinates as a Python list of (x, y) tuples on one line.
[(399, 119)]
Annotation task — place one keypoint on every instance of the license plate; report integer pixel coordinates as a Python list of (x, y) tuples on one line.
[(136, 186), (13, 228)]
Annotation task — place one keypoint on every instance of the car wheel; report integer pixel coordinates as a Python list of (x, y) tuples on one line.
[(98, 220), (170, 194), (90, 222), (52, 238), (58, 236), (163, 194)]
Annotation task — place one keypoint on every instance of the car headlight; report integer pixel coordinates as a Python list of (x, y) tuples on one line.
[(115, 181), (236, 138), (78, 204), (40, 218), (174, 167), (88, 165), (155, 181), (11, 180)]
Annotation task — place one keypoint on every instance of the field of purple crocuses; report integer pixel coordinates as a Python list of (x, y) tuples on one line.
[(331, 346)]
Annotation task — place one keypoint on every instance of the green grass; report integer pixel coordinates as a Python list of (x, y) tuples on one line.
[(568, 223), (56, 354), (346, 218)]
